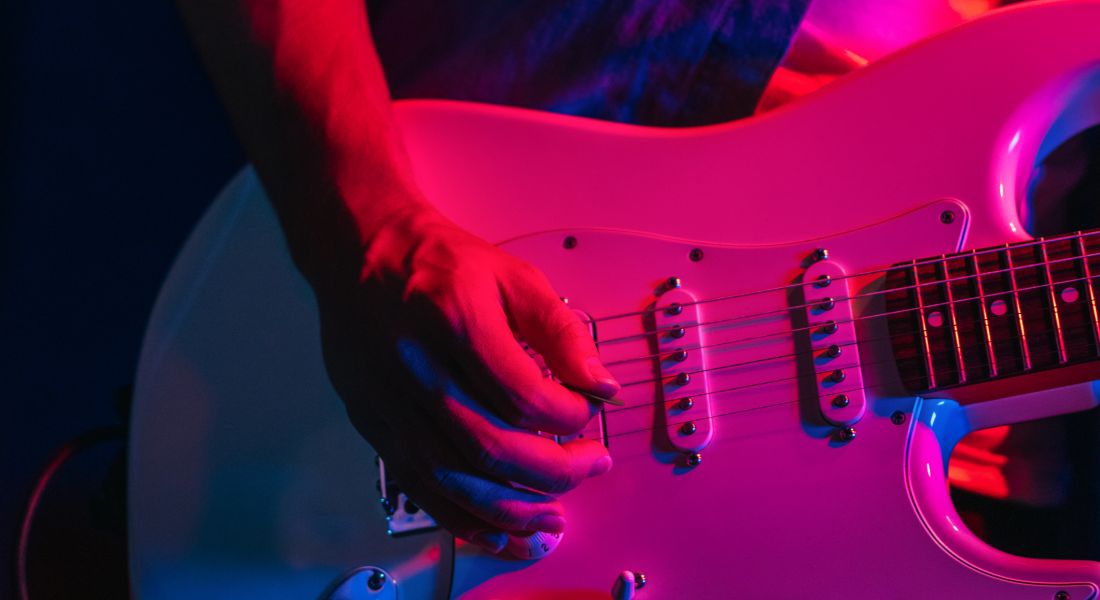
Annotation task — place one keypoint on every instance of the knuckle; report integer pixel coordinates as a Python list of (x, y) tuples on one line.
[(446, 481), (488, 457), (527, 412), (525, 270), (563, 479), (503, 514), (565, 325), (519, 415)]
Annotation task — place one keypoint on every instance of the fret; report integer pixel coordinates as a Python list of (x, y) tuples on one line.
[(960, 364), (905, 336), (1053, 299), (969, 331), (1024, 352), (991, 356), (997, 312), (925, 342), (1002, 326), (1036, 304), (1069, 297), (1083, 257)]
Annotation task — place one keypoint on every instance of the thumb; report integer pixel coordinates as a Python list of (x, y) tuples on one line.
[(557, 333)]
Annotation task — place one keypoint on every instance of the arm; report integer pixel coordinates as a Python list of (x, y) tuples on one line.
[(418, 317)]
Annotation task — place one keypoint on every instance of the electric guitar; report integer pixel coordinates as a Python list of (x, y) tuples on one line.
[(808, 310)]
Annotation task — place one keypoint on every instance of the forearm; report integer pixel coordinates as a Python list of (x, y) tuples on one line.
[(308, 99)]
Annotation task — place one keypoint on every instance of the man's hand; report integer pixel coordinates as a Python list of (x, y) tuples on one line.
[(424, 353), (419, 318)]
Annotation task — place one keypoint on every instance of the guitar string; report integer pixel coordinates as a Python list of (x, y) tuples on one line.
[(861, 365), (820, 324), (753, 316), (918, 263), (888, 384)]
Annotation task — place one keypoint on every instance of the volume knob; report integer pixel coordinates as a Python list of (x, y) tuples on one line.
[(534, 546)]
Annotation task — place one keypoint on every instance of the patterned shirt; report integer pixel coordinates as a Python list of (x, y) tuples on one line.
[(649, 62)]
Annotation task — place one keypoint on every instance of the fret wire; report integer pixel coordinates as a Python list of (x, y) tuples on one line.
[(990, 353), (784, 288), (1053, 304), (812, 352), (648, 403), (787, 309), (1088, 285), (1019, 309), (954, 319), (923, 328)]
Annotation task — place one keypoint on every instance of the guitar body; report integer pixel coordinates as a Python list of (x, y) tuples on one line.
[(248, 481)]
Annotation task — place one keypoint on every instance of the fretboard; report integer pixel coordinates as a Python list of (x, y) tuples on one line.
[(997, 312)]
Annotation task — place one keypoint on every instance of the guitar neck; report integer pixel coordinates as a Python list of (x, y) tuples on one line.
[(988, 314)]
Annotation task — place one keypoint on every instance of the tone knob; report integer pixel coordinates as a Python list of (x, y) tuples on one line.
[(534, 546)]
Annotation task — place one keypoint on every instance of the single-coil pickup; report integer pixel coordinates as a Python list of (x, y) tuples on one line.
[(683, 368), (833, 343)]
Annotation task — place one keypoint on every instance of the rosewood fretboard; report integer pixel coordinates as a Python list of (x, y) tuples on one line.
[(997, 312)]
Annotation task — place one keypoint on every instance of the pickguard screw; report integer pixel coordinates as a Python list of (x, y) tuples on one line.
[(837, 376), (823, 281), (687, 428), (680, 355), (897, 417), (674, 309), (376, 580), (821, 254), (569, 242), (829, 328), (826, 304), (694, 459), (947, 217), (832, 351), (685, 403), (683, 379), (677, 332), (639, 580), (1062, 595), (696, 254), (672, 283), (841, 401), (847, 434)]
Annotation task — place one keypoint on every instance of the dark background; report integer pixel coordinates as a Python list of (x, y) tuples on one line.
[(113, 145)]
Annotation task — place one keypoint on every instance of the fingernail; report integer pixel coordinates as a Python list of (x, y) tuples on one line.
[(492, 541), (601, 466), (607, 383), (548, 523)]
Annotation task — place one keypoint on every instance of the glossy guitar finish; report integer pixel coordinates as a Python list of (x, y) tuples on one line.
[(247, 481)]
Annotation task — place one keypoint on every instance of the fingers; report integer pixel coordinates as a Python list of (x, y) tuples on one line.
[(512, 454), (554, 330), (475, 506), (530, 400), (430, 469), (491, 445), (459, 522)]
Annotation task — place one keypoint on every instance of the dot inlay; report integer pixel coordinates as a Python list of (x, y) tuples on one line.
[(935, 319)]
